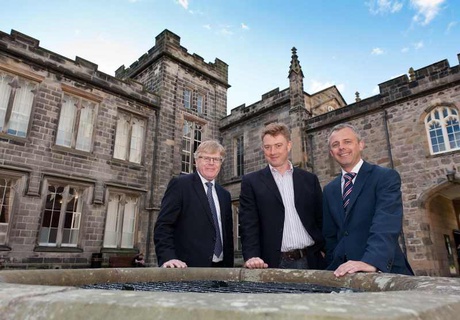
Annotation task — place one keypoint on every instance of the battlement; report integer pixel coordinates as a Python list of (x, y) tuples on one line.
[(270, 99), (27, 48), (167, 43), (426, 78)]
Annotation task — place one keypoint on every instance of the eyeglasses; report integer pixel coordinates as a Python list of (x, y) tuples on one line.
[(211, 159)]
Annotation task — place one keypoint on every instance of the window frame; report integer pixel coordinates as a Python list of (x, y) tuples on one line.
[(239, 155), (128, 144), (82, 196), (190, 143), (77, 126), (14, 95), (120, 219), (437, 128), (15, 190)]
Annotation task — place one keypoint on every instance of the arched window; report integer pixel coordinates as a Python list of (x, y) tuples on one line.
[(443, 129)]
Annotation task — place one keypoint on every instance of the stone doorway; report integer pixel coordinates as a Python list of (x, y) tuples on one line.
[(443, 209)]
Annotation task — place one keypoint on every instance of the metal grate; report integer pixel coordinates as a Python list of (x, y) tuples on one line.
[(221, 287)]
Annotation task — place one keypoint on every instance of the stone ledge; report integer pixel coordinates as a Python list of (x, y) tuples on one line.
[(24, 293)]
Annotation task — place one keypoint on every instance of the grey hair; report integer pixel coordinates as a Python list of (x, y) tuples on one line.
[(209, 146), (343, 126)]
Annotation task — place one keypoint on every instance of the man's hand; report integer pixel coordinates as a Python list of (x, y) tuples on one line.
[(353, 267), (255, 263), (174, 263)]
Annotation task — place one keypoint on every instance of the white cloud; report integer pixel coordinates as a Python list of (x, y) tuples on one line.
[(427, 10), (207, 26), (183, 3), (226, 31), (451, 25), (316, 86), (384, 6), (244, 26), (418, 45), (405, 49), (377, 51)]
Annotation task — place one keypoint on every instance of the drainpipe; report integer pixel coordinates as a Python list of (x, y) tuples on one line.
[(390, 156)]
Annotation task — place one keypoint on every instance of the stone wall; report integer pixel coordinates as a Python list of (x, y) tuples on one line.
[(36, 159)]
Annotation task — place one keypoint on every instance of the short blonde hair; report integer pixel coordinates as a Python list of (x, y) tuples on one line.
[(209, 146), (276, 128)]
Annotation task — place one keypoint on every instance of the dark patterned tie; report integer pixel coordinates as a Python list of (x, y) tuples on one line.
[(347, 188), (218, 244)]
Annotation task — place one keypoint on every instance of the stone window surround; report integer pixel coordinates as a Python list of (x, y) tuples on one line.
[(434, 105), (23, 73)]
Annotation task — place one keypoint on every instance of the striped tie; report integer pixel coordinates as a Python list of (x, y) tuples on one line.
[(347, 187)]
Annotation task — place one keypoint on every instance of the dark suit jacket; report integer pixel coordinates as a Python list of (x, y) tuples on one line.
[(369, 229), (185, 230), (261, 215)]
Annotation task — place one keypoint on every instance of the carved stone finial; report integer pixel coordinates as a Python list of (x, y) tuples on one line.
[(357, 99), (411, 74), (295, 64)]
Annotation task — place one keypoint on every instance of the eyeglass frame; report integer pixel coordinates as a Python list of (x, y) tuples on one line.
[(207, 159)]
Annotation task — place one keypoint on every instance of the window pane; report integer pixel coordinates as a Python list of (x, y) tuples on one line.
[(5, 91), (67, 121), (437, 139), (72, 218), (453, 133), (121, 139), (187, 96), (137, 141), (50, 223), (112, 222), (200, 103), (22, 107), (85, 127), (6, 203), (129, 219)]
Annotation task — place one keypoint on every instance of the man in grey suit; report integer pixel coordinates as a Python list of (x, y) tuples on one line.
[(362, 211), (280, 210), (195, 226)]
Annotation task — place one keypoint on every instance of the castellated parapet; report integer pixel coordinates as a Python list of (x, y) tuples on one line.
[(25, 47), (270, 100), (168, 43)]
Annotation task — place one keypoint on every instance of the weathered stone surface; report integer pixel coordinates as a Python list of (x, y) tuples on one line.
[(23, 295)]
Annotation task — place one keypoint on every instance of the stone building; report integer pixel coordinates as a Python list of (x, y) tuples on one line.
[(86, 157), (412, 125)]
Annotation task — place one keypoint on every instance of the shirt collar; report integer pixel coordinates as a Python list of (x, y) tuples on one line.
[(355, 168), (273, 169), (203, 180)]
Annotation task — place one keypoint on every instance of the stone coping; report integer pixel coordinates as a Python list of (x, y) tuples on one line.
[(52, 294)]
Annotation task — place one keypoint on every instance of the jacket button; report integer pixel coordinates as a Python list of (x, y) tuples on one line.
[(345, 233)]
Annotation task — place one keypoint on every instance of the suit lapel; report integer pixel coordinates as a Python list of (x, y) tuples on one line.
[(201, 195), (336, 189), (267, 178)]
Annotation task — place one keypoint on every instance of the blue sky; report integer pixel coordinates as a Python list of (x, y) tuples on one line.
[(352, 44)]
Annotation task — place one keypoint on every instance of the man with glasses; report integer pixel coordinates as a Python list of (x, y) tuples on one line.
[(195, 227), (281, 210)]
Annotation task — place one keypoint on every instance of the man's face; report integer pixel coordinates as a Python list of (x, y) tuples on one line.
[(208, 165), (345, 148), (276, 150)]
